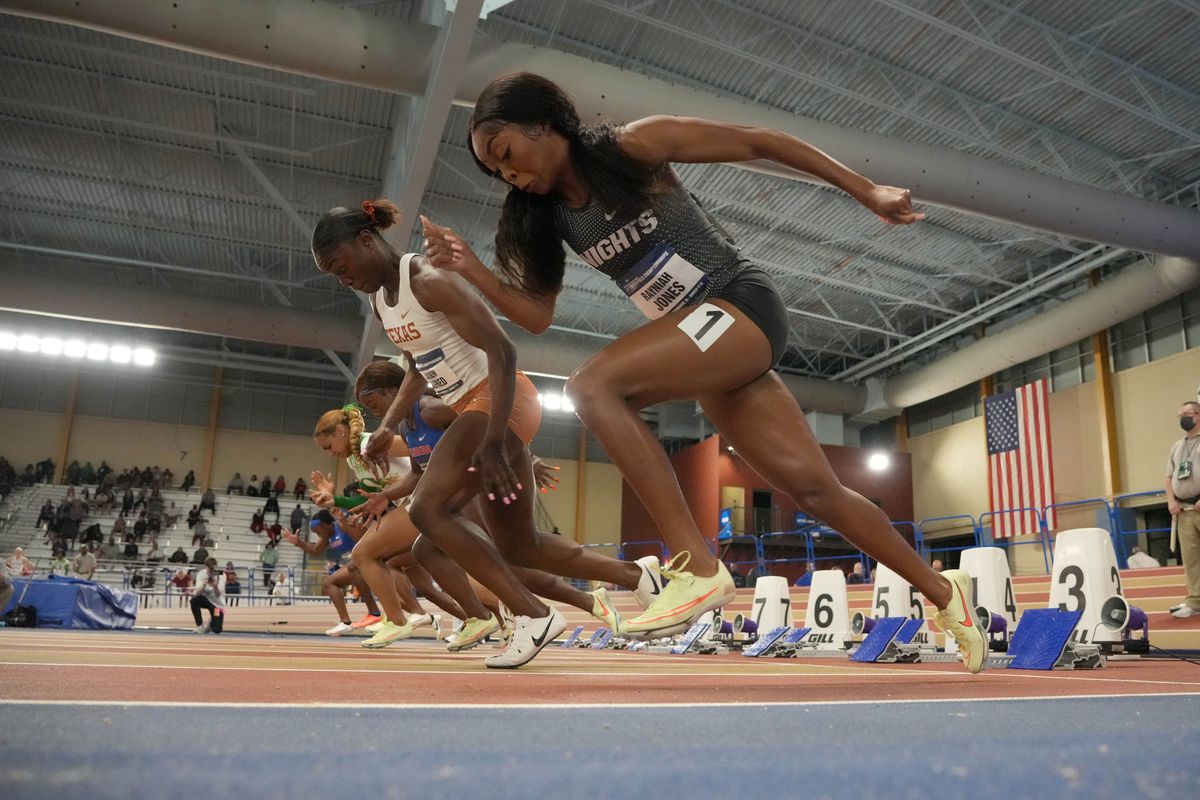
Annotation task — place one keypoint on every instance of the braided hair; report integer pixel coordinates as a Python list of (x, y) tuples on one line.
[(351, 416)]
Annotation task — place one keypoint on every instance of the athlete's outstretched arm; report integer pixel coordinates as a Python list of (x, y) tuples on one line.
[(446, 250), (662, 139)]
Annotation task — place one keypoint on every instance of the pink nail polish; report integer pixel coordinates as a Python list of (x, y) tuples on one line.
[(491, 496), (519, 487), (507, 501)]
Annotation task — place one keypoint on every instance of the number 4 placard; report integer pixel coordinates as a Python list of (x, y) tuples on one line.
[(706, 324)]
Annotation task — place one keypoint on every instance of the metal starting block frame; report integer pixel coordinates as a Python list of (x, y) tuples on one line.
[(690, 638), (1042, 640), (570, 640), (890, 642), (766, 641), (601, 639)]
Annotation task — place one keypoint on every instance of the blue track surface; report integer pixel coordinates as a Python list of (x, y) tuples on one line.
[(1093, 748)]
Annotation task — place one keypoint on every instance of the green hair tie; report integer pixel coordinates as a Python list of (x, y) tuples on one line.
[(346, 409)]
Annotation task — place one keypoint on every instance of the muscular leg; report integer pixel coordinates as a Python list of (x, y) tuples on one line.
[(420, 578), (333, 586), (408, 598), (437, 506), (364, 591), (756, 419), (652, 364), (368, 557)]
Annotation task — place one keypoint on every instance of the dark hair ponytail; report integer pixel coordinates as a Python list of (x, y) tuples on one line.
[(378, 375), (339, 225), (528, 247)]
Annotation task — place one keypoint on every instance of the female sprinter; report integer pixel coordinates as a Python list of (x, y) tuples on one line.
[(376, 388), (461, 352), (717, 325)]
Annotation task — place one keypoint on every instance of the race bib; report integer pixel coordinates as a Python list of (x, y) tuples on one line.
[(437, 372), (662, 281)]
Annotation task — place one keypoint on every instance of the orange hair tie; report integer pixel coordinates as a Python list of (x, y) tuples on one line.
[(369, 209)]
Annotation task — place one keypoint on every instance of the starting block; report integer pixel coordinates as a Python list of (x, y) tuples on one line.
[(601, 639), (880, 638), (574, 637), (1044, 640), (766, 642), (690, 638)]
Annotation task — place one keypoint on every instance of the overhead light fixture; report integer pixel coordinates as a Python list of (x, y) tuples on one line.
[(120, 354), (8, 341), (97, 351), (28, 343), (51, 346), (77, 348), (879, 462), (144, 356)]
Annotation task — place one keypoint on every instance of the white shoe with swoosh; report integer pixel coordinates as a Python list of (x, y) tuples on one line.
[(529, 637)]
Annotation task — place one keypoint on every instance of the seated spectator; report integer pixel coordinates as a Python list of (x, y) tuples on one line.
[(146, 479), (153, 553), (104, 501), (46, 514), (28, 478), (1140, 560), (103, 471), (236, 484), (193, 516), (167, 478), (127, 501), (179, 556), (298, 519), (272, 506), (806, 578), (275, 533), (87, 474), (155, 476), (281, 588), (17, 565), (99, 550), (252, 487), (200, 555), (84, 564), (232, 585), (270, 557), (256, 522), (59, 565), (153, 525), (856, 574), (264, 488), (200, 532), (170, 515), (131, 548), (208, 500), (182, 581), (72, 473), (189, 481), (280, 486), (154, 506), (139, 527), (300, 489)]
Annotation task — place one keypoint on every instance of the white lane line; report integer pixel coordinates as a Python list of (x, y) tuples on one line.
[(560, 706)]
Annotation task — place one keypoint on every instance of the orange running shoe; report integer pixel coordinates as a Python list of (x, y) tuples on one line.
[(368, 619)]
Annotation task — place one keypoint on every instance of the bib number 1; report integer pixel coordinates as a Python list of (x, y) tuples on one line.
[(706, 324)]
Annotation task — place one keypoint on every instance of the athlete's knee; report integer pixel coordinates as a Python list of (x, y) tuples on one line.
[(424, 549), (817, 497), (590, 389)]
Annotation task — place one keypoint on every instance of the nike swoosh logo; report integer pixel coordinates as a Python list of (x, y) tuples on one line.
[(683, 608), (405, 314), (654, 583), (970, 623), (609, 216), (537, 640)]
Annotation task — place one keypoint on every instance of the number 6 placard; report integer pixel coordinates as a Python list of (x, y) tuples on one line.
[(828, 612)]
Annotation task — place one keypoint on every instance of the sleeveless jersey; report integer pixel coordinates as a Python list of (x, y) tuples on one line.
[(671, 255), (450, 365), (421, 439), (340, 543)]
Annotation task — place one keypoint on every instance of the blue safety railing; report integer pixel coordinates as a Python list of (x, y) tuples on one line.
[(965, 524), (1042, 535), (1121, 534), (650, 546)]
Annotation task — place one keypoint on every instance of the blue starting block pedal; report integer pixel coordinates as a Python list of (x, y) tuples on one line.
[(690, 638), (879, 639), (570, 640), (1043, 641), (766, 641), (601, 639)]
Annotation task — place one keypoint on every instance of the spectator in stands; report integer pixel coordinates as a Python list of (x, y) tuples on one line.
[(156, 477), (59, 565), (170, 515), (282, 588), (179, 556), (856, 574), (193, 516), (140, 526), (153, 553), (119, 525), (236, 484), (208, 500), (806, 578), (937, 565), (264, 487), (1183, 493), (300, 489), (270, 557), (167, 478), (17, 565), (182, 581), (131, 548), (154, 507), (275, 532), (28, 477), (200, 555), (257, 524), (280, 486), (46, 514), (45, 471), (127, 501), (104, 501), (189, 481), (298, 519), (146, 479), (233, 587), (272, 506), (84, 564), (252, 487), (102, 472), (208, 595), (200, 532), (1139, 560), (72, 474)]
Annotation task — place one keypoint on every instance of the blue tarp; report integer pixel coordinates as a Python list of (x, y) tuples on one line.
[(73, 603)]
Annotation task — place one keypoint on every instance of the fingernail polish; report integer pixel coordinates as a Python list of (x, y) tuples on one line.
[(519, 487), (491, 496)]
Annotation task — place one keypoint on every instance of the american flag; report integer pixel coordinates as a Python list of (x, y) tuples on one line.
[(1019, 470)]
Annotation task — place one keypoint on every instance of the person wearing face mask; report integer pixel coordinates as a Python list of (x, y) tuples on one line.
[(1183, 492)]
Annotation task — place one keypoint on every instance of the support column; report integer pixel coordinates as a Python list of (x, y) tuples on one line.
[(64, 435), (902, 431), (210, 439), (1110, 453), (581, 486)]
